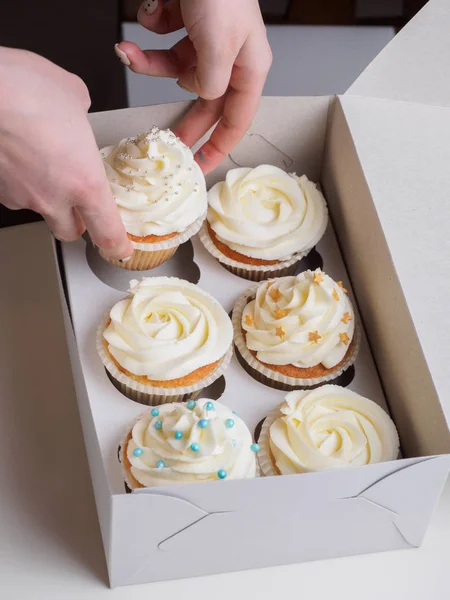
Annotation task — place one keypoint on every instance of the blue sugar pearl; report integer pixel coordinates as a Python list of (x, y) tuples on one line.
[(138, 452), (155, 412), (234, 412), (229, 423), (160, 464), (191, 404), (195, 447), (221, 473), (203, 423), (233, 442), (178, 435), (158, 425), (209, 406), (254, 447)]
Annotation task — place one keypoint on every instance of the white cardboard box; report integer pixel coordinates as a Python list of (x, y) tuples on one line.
[(382, 165)]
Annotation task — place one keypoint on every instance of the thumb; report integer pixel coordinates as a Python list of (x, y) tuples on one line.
[(161, 18)]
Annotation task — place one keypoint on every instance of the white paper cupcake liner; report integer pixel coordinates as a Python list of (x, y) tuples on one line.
[(274, 378), (153, 395), (265, 459), (252, 272), (151, 255)]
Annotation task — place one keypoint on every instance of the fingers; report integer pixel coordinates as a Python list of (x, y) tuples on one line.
[(241, 104), (158, 63), (101, 217), (199, 119), (210, 78), (66, 225), (160, 18)]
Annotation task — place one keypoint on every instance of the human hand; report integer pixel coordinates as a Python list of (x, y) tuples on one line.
[(49, 161), (224, 59)]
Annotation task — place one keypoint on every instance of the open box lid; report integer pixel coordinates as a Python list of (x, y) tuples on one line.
[(413, 67)]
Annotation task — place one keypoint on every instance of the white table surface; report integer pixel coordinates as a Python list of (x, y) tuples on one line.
[(307, 61), (50, 545)]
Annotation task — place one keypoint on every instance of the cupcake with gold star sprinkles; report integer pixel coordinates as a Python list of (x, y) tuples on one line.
[(296, 332)]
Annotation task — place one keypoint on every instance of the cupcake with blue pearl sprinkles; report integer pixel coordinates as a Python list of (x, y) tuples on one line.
[(296, 332), (160, 192), (166, 341), (330, 427), (199, 440), (262, 221)]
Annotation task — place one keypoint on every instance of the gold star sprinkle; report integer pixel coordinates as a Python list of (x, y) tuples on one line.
[(279, 313), (344, 339), (269, 283), (275, 294), (318, 277), (249, 320), (335, 295), (346, 318), (341, 285), (280, 332), (314, 336)]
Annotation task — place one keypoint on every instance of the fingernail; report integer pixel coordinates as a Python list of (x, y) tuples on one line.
[(149, 6), (121, 55), (125, 260)]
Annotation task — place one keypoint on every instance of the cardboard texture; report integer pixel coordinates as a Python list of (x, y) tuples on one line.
[(149, 535), (414, 66), (383, 167)]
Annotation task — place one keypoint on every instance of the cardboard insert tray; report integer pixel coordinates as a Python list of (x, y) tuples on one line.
[(213, 527)]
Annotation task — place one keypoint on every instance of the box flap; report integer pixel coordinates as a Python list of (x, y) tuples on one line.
[(413, 66), (404, 153)]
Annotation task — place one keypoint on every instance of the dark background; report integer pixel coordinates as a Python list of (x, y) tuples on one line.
[(79, 36)]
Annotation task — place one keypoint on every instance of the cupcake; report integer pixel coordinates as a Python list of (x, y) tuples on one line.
[(262, 221), (166, 341), (160, 192), (187, 443), (327, 428), (295, 332)]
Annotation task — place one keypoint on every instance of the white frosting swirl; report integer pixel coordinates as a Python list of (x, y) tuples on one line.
[(330, 428), (266, 213), (303, 321), (219, 447), (167, 329), (156, 183)]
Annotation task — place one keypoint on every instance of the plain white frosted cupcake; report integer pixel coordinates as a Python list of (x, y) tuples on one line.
[(166, 341), (262, 221), (327, 428)]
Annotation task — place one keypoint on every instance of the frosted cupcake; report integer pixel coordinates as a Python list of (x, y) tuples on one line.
[(262, 221), (166, 341), (327, 428), (160, 192), (295, 332), (187, 443)]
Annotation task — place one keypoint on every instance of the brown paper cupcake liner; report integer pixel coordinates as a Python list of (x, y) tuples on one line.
[(266, 463), (150, 256), (273, 378), (153, 395), (251, 272)]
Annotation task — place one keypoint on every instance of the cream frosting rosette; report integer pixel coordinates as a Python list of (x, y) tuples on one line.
[(168, 337), (185, 443), (158, 187), (326, 428), (297, 331), (268, 218)]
